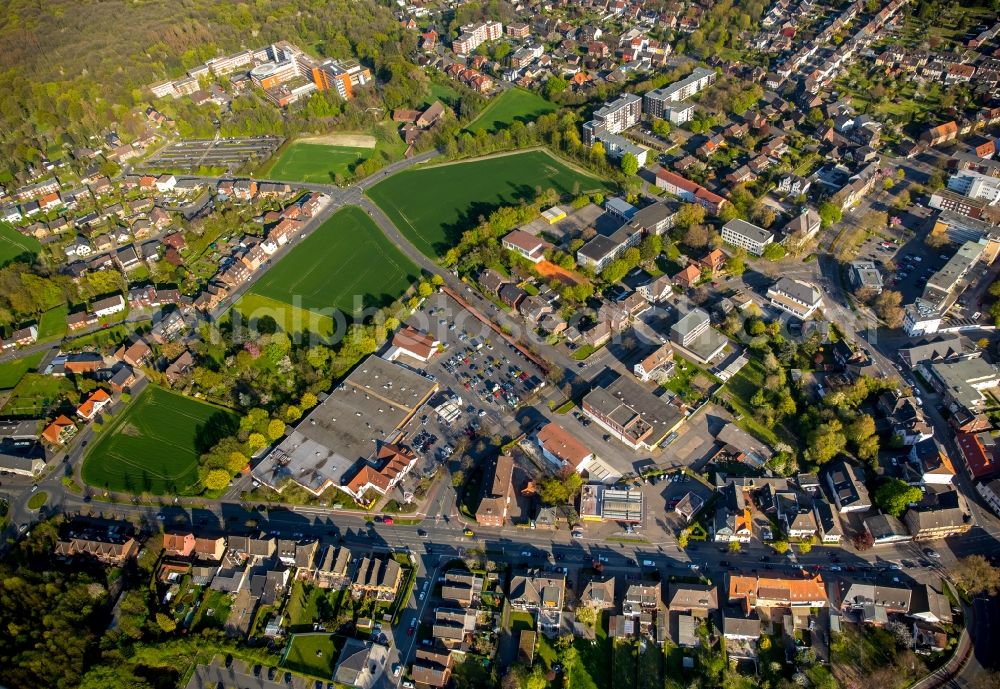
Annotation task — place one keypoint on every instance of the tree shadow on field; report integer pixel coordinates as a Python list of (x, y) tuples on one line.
[(479, 211), (218, 426)]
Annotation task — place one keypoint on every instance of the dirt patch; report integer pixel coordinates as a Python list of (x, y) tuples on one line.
[(551, 270), (351, 140), (129, 429)]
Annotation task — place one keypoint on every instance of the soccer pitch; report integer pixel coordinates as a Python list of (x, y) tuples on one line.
[(155, 444), (317, 163)]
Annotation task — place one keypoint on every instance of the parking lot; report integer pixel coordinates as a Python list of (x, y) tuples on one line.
[(227, 153)]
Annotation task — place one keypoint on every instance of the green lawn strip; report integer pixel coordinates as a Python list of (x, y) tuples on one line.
[(303, 604), (312, 654), (521, 621), (433, 206), (214, 610), (650, 675), (11, 372), (155, 444), (35, 394), (37, 500), (345, 264), (583, 352), (52, 324), (14, 245), (253, 306), (513, 105), (623, 663), (594, 667)]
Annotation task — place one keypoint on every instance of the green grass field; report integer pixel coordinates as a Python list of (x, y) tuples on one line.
[(14, 244), (511, 106), (317, 163), (432, 206), (52, 324), (11, 372), (346, 264), (155, 444), (312, 654), (34, 394)]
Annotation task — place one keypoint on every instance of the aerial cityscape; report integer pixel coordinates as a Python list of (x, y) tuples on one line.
[(500, 344)]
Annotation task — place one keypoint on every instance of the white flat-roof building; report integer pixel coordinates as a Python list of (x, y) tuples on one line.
[(746, 236)]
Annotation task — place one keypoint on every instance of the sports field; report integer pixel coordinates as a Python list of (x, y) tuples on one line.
[(317, 163), (155, 444), (14, 244), (511, 106), (345, 264), (432, 206)]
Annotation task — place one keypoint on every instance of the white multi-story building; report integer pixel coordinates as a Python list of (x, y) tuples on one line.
[(976, 185), (620, 114), (474, 35), (747, 236), (656, 102)]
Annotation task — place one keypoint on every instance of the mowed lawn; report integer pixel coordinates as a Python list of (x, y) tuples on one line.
[(513, 105), (432, 206), (313, 654), (317, 163), (11, 372), (155, 444), (346, 264), (14, 244)]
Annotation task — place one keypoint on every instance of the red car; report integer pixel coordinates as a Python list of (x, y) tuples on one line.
[(387, 520)]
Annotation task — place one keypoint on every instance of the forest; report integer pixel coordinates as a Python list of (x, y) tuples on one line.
[(65, 80)]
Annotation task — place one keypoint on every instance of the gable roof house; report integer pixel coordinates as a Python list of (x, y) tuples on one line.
[(697, 599), (361, 664), (599, 592), (332, 569), (733, 519), (847, 485), (497, 493), (377, 576)]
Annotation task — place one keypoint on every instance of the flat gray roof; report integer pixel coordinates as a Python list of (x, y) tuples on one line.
[(365, 409)]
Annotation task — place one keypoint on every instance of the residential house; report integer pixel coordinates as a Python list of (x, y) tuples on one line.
[(699, 600), (137, 354), (431, 668), (542, 594), (688, 277), (800, 299), (561, 447), (658, 366), (92, 406), (109, 548), (332, 569), (847, 486), (452, 626), (733, 518), (377, 577), (828, 521), (497, 493), (689, 506), (60, 431), (884, 528), (209, 548), (599, 592), (461, 587), (361, 664), (756, 591), (939, 515), (178, 544), (872, 601)]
